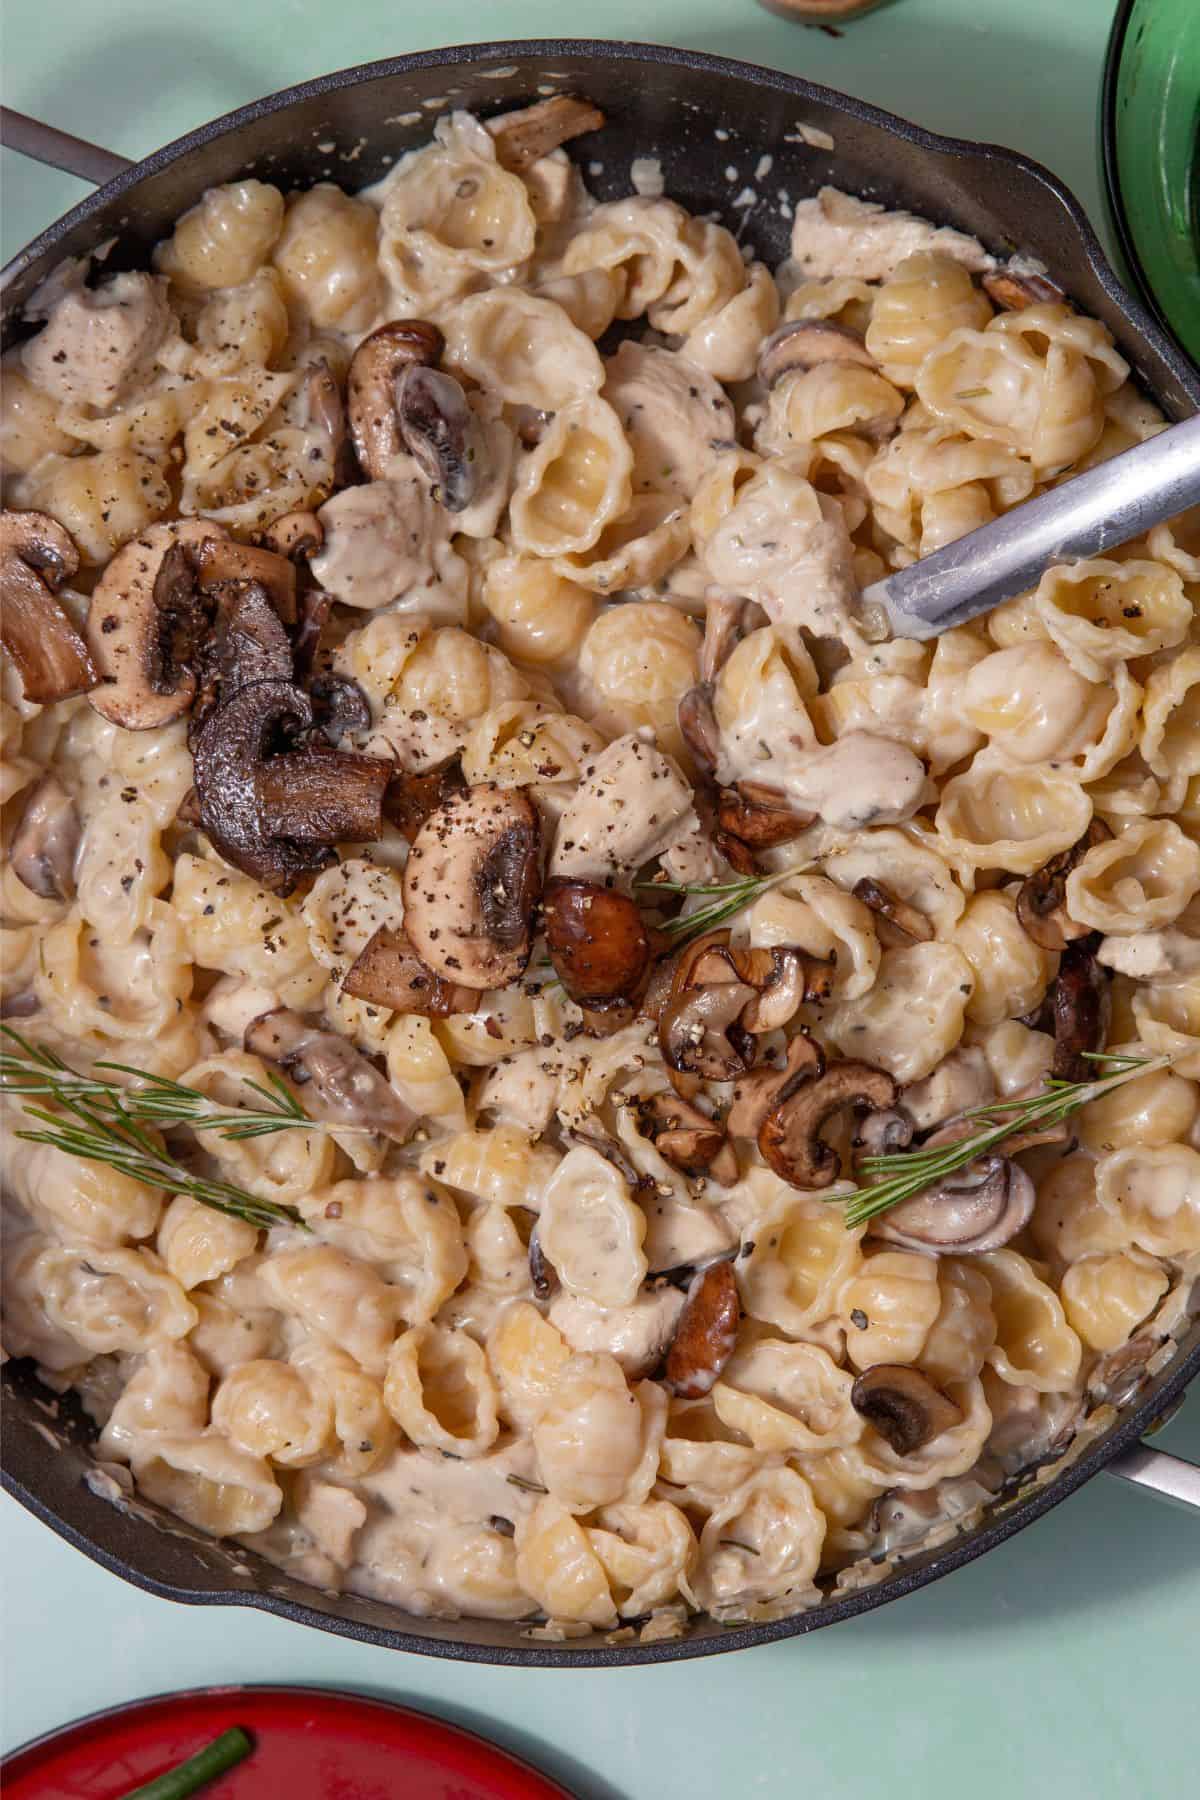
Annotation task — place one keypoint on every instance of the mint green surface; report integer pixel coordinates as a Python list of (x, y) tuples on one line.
[(1062, 1665), (1158, 154)]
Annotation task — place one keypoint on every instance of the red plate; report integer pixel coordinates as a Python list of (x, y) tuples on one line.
[(310, 1744)]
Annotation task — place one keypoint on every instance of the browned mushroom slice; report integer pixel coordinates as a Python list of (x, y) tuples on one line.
[(471, 883), (371, 388), (411, 798), (783, 978), (219, 559), (340, 1085), (698, 724), (597, 940), (755, 1094), (319, 795), (312, 615), (903, 1406), (234, 742), (1042, 899), (759, 823), (687, 1138), (525, 136), (1015, 292), (143, 626), (388, 972), (340, 708), (699, 1031), (45, 843), (296, 535), (1082, 1003), (36, 557), (441, 433), (790, 1135), (804, 343), (981, 1207), (897, 923), (706, 1334), (244, 643)]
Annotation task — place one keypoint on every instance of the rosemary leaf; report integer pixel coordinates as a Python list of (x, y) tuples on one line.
[(905, 1173), (98, 1121), (725, 900)]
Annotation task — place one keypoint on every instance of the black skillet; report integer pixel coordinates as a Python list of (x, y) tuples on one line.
[(671, 104)]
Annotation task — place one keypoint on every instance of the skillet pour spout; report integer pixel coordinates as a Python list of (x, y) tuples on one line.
[(694, 112)]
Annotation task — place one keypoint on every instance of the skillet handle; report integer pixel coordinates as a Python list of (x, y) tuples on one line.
[(58, 149), (1169, 1477)]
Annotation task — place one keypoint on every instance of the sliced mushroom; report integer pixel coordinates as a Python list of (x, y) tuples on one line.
[(220, 559), (319, 795), (244, 643), (597, 939), (1042, 899), (687, 1138), (441, 434), (1015, 292), (312, 615), (341, 1086), (234, 742), (525, 136), (143, 627), (789, 1137), (699, 1031), (36, 557), (46, 842), (706, 1334), (375, 368), (903, 1406), (755, 1094), (388, 972), (883, 1133), (698, 724), (803, 343), (897, 923), (782, 977), (981, 1207), (759, 822), (471, 883), (410, 799), (340, 708), (296, 535), (1082, 1003)]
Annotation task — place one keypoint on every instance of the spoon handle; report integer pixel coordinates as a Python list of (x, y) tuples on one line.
[(1086, 516)]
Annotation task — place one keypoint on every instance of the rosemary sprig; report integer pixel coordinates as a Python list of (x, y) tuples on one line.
[(727, 899), (101, 1122), (905, 1173)]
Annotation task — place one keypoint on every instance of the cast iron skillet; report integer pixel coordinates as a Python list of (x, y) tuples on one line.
[(349, 127)]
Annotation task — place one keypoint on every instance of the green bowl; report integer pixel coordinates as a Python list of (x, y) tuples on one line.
[(1150, 142)]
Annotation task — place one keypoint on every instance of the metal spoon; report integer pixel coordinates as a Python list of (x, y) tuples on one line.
[(1086, 516)]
